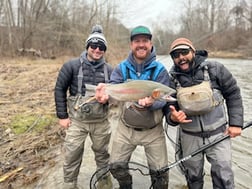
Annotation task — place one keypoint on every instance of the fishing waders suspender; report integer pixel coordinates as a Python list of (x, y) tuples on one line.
[(205, 72), (80, 77), (80, 80)]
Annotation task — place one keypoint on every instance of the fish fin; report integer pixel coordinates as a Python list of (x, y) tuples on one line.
[(156, 93), (129, 80)]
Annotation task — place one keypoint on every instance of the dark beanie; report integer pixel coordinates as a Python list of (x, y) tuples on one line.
[(96, 36)]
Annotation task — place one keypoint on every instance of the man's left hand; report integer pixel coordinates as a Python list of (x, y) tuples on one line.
[(146, 102), (233, 131), (100, 93)]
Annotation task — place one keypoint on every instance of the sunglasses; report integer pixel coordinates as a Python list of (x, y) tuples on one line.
[(177, 53), (97, 45)]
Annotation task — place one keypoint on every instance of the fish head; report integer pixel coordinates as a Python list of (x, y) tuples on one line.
[(161, 94), (168, 98)]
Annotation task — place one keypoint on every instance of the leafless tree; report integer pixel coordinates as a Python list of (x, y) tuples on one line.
[(61, 26), (242, 13)]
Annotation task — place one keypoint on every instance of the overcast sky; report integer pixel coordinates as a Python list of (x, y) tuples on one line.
[(149, 12)]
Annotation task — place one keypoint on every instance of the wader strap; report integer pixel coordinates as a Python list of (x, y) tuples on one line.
[(106, 73), (80, 78), (207, 134), (206, 74)]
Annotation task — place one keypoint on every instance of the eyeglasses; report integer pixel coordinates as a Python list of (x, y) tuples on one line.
[(97, 45), (177, 53)]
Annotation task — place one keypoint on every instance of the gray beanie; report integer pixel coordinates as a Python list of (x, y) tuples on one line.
[(96, 36)]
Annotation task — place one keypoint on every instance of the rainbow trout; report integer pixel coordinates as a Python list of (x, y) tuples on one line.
[(134, 90)]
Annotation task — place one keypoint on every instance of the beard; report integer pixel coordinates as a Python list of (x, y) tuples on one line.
[(185, 65)]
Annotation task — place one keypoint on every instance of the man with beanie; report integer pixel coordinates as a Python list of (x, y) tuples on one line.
[(203, 119), (140, 123), (79, 113)]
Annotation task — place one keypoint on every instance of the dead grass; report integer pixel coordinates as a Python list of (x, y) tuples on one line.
[(29, 132), (27, 88)]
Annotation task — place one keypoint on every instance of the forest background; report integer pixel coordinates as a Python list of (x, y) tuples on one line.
[(52, 28)]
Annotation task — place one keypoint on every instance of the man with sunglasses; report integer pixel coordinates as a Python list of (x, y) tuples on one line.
[(140, 123), (81, 116), (197, 128)]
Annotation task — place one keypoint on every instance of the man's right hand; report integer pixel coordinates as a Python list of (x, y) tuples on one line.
[(100, 93), (178, 116), (64, 123)]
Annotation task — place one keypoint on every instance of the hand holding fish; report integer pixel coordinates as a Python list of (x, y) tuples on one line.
[(100, 94), (146, 102)]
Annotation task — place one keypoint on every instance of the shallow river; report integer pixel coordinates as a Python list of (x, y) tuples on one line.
[(241, 146)]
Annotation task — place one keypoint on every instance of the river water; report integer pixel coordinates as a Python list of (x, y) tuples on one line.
[(241, 146)]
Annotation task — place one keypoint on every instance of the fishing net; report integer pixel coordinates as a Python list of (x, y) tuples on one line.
[(141, 175)]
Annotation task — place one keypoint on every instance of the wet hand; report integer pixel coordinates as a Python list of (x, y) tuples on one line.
[(100, 93), (64, 123), (233, 131), (178, 116), (146, 102)]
